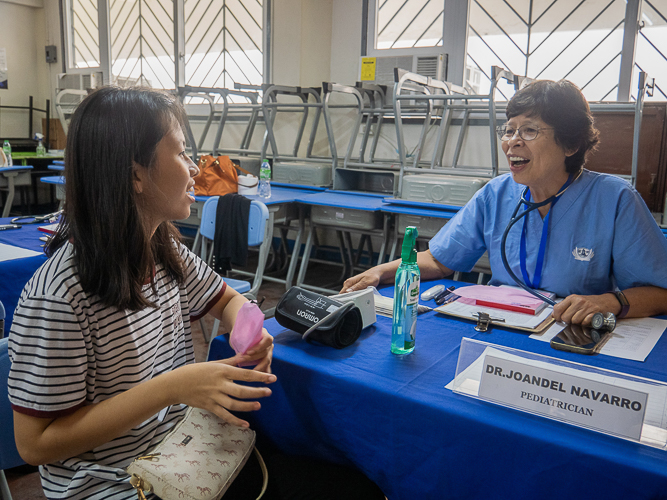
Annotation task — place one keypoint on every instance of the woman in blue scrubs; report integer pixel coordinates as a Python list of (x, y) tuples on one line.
[(595, 243)]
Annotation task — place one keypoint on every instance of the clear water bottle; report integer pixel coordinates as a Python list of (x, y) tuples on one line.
[(7, 149), (41, 150), (264, 189)]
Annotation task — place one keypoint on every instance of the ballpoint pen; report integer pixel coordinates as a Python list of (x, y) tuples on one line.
[(441, 297), (450, 298), (9, 226)]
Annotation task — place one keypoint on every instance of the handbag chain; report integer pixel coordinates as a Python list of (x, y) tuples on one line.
[(138, 482)]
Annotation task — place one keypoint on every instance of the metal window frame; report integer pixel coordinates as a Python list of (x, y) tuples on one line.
[(179, 41), (454, 37), (455, 40), (631, 25)]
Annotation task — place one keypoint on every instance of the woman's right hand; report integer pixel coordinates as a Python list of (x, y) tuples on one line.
[(371, 277), (212, 386)]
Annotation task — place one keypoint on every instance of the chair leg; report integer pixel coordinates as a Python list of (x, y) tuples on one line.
[(5, 494), (207, 337), (215, 329)]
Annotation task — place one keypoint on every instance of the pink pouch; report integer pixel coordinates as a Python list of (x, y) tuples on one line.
[(247, 329)]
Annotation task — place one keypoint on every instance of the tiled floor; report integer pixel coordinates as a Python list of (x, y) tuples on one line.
[(24, 482)]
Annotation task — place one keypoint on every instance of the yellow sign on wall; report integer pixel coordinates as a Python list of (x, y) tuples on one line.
[(367, 69)]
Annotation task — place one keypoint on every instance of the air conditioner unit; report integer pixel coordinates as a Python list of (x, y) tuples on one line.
[(380, 70), (125, 82), (473, 80), (79, 81)]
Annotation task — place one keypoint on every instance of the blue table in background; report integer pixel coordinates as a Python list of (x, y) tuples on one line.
[(283, 197), (428, 218), (392, 417), (10, 179), (348, 214), (428, 222), (14, 274), (58, 181), (281, 205)]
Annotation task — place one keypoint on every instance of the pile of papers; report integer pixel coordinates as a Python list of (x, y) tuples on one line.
[(508, 298), (384, 306)]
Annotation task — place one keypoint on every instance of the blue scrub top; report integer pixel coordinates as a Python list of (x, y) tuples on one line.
[(601, 235)]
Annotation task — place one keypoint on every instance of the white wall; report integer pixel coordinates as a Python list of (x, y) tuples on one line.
[(316, 41), (24, 32), (346, 27), (301, 42)]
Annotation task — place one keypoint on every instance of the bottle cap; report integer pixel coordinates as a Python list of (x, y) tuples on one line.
[(408, 251)]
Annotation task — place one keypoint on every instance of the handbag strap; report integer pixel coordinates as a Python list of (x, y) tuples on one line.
[(203, 162), (265, 473), (241, 169)]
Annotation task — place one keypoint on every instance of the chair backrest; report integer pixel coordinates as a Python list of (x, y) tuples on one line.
[(257, 219), (9, 456)]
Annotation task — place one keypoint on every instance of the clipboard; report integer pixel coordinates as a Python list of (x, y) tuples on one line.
[(513, 320)]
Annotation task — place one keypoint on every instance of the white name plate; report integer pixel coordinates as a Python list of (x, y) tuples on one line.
[(573, 399)]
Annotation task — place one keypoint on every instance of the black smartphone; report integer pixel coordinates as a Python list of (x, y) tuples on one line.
[(577, 338)]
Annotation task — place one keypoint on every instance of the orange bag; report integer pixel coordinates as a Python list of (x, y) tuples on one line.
[(217, 176)]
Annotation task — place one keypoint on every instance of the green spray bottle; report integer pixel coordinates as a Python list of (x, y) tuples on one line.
[(406, 296)]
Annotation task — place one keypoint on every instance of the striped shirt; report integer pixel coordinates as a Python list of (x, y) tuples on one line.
[(68, 351)]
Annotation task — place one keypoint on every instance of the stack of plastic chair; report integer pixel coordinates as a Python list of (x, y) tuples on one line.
[(242, 103), (257, 237), (67, 100), (287, 109), (9, 456)]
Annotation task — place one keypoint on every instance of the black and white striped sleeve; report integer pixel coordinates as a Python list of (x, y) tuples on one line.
[(204, 286), (49, 358)]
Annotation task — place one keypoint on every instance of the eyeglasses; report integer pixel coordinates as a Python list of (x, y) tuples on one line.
[(526, 132)]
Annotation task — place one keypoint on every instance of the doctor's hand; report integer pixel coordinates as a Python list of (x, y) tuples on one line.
[(362, 281), (579, 309)]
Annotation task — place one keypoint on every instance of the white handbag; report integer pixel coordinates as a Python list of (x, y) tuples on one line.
[(248, 184), (198, 459)]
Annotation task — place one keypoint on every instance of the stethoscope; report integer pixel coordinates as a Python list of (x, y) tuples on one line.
[(531, 207), (36, 219), (605, 321)]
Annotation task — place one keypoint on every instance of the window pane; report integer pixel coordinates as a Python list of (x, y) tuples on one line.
[(142, 42), (409, 23), (223, 42), (84, 35), (651, 55), (579, 41)]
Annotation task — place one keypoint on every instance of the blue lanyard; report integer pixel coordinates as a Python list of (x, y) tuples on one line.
[(535, 284)]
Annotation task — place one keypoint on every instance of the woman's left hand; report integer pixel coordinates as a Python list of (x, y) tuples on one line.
[(261, 352), (579, 309)]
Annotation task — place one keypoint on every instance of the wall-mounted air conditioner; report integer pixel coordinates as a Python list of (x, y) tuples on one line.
[(129, 81), (79, 81), (381, 69), (473, 80)]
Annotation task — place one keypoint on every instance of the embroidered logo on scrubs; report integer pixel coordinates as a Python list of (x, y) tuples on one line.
[(584, 254)]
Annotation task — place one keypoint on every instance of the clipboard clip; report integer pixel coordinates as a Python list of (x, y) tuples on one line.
[(484, 320)]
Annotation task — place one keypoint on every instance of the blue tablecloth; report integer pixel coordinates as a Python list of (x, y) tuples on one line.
[(14, 274), (393, 418)]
